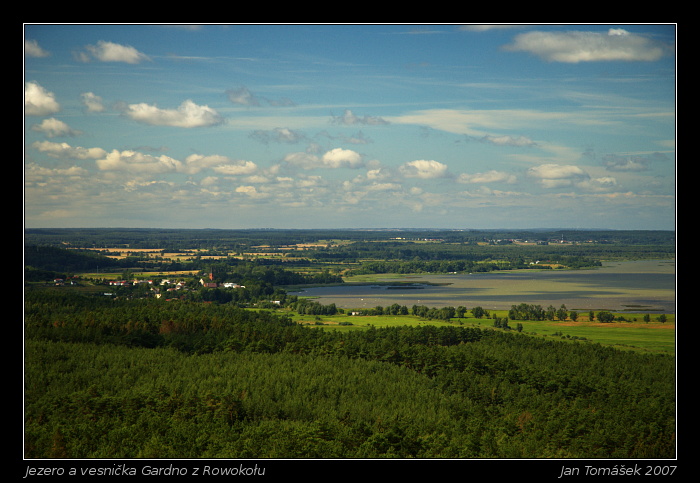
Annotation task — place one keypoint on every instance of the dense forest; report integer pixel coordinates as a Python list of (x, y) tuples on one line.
[(109, 378)]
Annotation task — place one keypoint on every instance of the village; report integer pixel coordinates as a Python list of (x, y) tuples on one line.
[(171, 286)]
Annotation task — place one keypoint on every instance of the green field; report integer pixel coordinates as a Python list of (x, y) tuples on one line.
[(637, 335)]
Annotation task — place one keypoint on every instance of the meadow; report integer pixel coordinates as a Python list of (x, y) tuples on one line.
[(633, 334)]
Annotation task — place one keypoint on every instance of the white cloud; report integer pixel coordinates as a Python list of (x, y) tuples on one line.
[(38, 101), (35, 173), (236, 168), (491, 176), (257, 178), (144, 185), (187, 115), (194, 163), (378, 173), (32, 49), (92, 102), (384, 187), (604, 183), (342, 158), (52, 127), (209, 181), (556, 175), (134, 162), (424, 169), (334, 159), (66, 151), (251, 191), (111, 52), (555, 171), (480, 123), (309, 182), (576, 46), (517, 141)]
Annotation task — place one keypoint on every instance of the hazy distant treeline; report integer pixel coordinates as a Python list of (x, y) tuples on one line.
[(212, 238)]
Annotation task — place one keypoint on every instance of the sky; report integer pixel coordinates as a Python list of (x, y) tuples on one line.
[(454, 126)]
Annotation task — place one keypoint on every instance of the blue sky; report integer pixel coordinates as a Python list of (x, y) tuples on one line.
[(350, 126)]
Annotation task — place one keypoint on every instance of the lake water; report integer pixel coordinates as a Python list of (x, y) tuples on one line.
[(636, 286)]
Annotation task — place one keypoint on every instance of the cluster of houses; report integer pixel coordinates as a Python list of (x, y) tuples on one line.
[(122, 283), (177, 285), (60, 281), (211, 284), (225, 284), (174, 286)]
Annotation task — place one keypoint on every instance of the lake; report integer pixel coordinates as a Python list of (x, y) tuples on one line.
[(631, 286)]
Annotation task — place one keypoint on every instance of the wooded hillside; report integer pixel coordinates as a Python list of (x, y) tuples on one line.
[(148, 378)]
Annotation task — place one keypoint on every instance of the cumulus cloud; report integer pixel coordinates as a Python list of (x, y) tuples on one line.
[(251, 191), (237, 168), (491, 176), (195, 163), (378, 174), (92, 102), (187, 115), (384, 187), (38, 101), (424, 169), (335, 158), (32, 49), (576, 46), (342, 158), (135, 162), (146, 185), (556, 175), (52, 128), (66, 151), (35, 173), (603, 183), (111, 52)]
